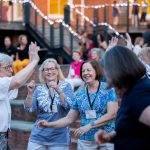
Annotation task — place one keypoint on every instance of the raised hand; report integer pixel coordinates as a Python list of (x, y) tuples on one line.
[(31, 87), (33, 52), (128, 40), (52, 84), (113, 42)]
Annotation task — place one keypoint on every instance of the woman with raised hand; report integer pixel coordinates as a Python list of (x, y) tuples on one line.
[(94, 104), (9, 85), (52, 98), (127, 73)]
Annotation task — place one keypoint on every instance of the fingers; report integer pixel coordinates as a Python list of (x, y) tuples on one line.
[(128, 36), (31, 86), (33, 51), (100, 136), (41, 123), (78, 132), (52, 84)]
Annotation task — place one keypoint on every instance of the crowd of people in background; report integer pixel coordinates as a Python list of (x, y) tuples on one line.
[(104, 73), (19, 53)]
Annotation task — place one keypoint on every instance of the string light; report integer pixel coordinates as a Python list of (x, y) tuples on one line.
[(44, 16), (61, 21), (105, 5)]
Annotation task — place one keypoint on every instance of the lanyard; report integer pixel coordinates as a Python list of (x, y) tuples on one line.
[(52, 98), (91, 104)]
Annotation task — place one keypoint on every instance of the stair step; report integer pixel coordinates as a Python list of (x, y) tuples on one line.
[(19, 113), (24, 126), (20, 132), (17, 102)]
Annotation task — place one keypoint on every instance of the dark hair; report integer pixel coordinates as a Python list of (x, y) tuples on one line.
[(96, 67), (123, 67)]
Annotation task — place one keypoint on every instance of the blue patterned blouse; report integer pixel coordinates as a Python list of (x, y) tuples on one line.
[(81, 104), (41, 103)]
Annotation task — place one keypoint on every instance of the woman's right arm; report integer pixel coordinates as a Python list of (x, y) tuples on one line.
[(28, 101), (72, 116), (22, 76)]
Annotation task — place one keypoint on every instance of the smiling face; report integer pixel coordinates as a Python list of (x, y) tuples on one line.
[(6, 70), (88, 73), (50, 72)]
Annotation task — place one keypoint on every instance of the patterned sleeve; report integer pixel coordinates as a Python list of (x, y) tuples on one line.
[(74, 103), (68, 94), (112, 97)]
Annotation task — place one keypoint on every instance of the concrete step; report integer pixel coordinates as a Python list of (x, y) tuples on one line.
[(19, 135), (19, 113)]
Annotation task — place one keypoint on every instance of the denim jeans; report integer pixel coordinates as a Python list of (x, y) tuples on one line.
[(4, 141)]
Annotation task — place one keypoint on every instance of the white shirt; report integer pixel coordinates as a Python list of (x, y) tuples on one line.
[(5, 96), (137, 49)]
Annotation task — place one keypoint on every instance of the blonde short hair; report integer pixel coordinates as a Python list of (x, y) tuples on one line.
[(137, 40), (144, 55), (60, 74)]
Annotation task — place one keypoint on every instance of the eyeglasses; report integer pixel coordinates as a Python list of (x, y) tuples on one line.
[(8, 67), (50, 69)]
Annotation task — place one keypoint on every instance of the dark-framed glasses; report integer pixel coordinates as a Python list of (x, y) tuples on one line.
[(52, 69), (7, 67)]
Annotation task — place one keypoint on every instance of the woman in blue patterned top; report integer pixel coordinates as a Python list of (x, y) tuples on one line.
[(52, 98), (95, 104)]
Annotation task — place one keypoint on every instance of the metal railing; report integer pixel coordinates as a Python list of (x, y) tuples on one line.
[(96, 14), (55, 34)]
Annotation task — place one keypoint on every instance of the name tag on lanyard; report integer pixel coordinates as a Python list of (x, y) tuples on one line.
[(54, 108), (90, 114), (53, 105)]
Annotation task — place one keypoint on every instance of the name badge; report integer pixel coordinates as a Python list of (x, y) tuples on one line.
[(54, 108), (90, 114)]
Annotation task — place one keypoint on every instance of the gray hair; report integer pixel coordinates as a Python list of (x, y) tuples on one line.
[(60, 74), (5, 59), (97, 50)]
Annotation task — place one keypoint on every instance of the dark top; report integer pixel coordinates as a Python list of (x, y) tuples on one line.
[(131, 134), (135, 9), (23, 54), (115, 12), (10, 51), (146, 36)]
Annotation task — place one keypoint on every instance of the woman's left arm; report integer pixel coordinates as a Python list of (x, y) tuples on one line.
[(112, 108)]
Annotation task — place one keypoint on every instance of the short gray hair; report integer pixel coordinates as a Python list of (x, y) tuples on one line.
[(97, 50), (60, 74), (5, 59)]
